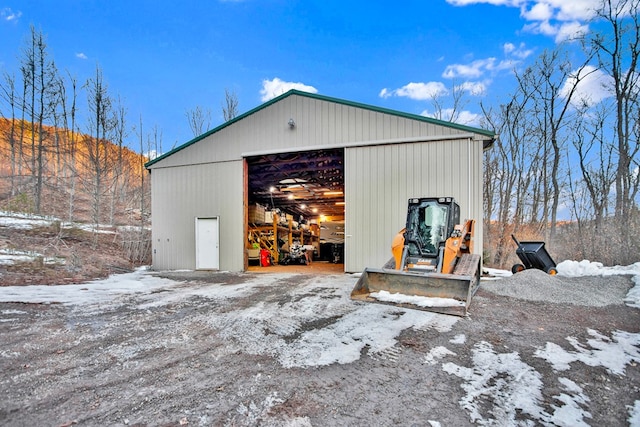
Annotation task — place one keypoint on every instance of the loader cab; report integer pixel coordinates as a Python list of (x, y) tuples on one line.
[(430, 221)]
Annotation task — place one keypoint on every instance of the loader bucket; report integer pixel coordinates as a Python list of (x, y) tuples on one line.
[(440, 293)]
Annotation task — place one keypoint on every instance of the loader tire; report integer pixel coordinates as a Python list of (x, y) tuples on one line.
[(517, 268)]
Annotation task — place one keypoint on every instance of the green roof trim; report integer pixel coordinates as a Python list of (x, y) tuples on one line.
[(418, 117)]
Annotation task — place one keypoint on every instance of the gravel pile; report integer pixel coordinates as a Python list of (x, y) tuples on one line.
[(536, 285)]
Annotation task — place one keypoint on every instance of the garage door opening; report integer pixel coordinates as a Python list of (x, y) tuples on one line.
[(296, 211)]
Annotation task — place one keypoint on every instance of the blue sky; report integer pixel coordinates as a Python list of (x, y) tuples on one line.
[(165, 58)]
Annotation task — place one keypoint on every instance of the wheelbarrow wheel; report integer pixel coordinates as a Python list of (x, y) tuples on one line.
[(552, 271), (517, 268)]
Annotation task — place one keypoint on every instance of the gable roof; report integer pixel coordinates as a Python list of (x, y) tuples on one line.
[(489, 134)]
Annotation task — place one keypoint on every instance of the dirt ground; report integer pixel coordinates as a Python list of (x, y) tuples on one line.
[(65, 255), (160, 359)]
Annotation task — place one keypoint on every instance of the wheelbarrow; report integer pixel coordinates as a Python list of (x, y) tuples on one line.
[(533, 255)]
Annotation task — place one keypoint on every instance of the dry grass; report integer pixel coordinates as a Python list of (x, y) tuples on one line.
[(610, 244)]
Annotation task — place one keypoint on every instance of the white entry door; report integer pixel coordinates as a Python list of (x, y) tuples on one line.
[(207, 244)]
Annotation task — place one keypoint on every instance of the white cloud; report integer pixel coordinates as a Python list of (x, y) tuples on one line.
[(520, 51), (508, 48), (539, 12), (417, 91), (473, 88), (473, 70), (448, 115), (581, 10), (479, 67), (571, 31), (543, 10), (9, 15), (276, 87), (561, 19), (81, 55), (594, 86), (543, 27), (566, 31)]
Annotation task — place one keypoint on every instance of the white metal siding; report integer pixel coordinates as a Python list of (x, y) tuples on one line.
[(181, 194), (205, 178), (379, 180)]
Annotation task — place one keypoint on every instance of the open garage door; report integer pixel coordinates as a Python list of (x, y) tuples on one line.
[(296, 200)]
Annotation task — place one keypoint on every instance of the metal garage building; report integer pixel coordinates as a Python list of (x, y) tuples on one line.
[(377, 158)]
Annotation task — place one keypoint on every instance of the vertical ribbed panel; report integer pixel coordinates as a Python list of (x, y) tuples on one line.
[(181, 194), (379, 180)]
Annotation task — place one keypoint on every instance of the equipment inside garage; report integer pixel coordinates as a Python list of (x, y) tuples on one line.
[(296, 207)]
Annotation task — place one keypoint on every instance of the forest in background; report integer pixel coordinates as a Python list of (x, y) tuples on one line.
[(65, 145), (71, 176), (565, 168)]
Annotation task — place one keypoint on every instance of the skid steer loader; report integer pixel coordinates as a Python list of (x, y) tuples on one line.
[(433, 266)]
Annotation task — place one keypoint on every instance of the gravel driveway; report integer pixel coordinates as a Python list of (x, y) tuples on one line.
[(222, 349)]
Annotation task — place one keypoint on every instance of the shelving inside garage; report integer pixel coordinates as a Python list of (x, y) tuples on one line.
[(290, 195)]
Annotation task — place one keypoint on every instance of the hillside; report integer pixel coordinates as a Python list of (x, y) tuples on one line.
[(91, 194), (70, 174)]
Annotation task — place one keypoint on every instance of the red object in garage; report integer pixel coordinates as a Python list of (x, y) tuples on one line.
[(265, 258)]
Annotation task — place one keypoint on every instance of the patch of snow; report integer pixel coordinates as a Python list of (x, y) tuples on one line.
[(94, 292), (513, 387), (495, 273), (590, 268), (611, 353), (436, 354), (13, 312), (458, 339), (22, 223), (634, 414), (289, 333), (571, 413), (514, 391), (11, 256), (418, 301), (633, 296), (318, 325), (10, 259), (214, 291)]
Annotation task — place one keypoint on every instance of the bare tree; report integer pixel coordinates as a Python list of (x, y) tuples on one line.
[(597, 166), (508, 163), (120, 132), (8, 95), (199, 120), (618, 52), (553, 82), (69, 127), (100, 106), (455, 97), (40, 75), (230, 106)]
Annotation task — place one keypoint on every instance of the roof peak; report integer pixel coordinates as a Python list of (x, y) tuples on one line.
[(325, 98)]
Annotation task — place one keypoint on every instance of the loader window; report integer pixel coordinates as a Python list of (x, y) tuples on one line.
[(433, 219)]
